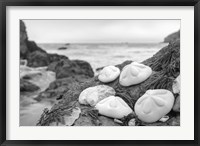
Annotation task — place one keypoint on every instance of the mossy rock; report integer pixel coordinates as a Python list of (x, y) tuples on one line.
[(166, 67)]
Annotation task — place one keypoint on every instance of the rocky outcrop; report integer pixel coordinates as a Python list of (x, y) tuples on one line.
[(26, 86), (172, 37), (26, 46), (62, 48), (60, 64), (35, 56), (166, 67), (57, 88), (23, 40), (67, 71), (67, 68)]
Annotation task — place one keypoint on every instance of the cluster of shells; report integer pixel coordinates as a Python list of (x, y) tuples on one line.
[(154, 105)]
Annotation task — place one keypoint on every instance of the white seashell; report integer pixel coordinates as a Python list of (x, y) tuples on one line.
[(134, 73), (164, 119), (131, 122), (176, 85), (113, 107), (154, 104), (69, 120), (92, 95), (108, 74)]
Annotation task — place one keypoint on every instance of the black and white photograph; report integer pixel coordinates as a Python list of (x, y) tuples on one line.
[(99, 72)]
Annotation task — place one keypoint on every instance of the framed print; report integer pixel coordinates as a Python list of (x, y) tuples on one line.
[(103, 72)]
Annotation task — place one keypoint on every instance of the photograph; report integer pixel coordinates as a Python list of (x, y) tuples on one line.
[(99, 72)]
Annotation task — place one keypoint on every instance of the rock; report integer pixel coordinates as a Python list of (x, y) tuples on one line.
[(26, 86), (108, 74), (172, 37), (105, 121), (23, 40), (62, 48), (99, 69), (91, 118), (23, 62), (58, 87), (31, 76), (176, 106), (28, 47), (38, 59), (55, 57), (177, 85), (166, 67), (113, 107), (32, 46), (92, 95), (66, 82), (154, 104), (66, 68), (175, 121), (134, 73)]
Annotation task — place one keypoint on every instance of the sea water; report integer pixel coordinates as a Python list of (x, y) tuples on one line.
[(31, 109), (100, 55)]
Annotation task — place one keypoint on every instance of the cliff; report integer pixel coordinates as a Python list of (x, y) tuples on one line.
[(172, 37)]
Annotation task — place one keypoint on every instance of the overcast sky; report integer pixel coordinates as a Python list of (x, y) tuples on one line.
[(100, 31)]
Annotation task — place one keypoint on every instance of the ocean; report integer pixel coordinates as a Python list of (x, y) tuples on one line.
[(100, 55)]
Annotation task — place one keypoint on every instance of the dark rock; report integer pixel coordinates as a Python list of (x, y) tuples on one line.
[(57, 88), (166, 67), (56, 57), (26, 46), (66, 68), (32, 46), (99, 69), (32, 76), (172, 37), (90, 117), (30, 51), (62, 48), (26, 86), (23, 40), (38, 59)]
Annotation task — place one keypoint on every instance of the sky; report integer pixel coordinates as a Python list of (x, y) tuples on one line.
[(100, 31)]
